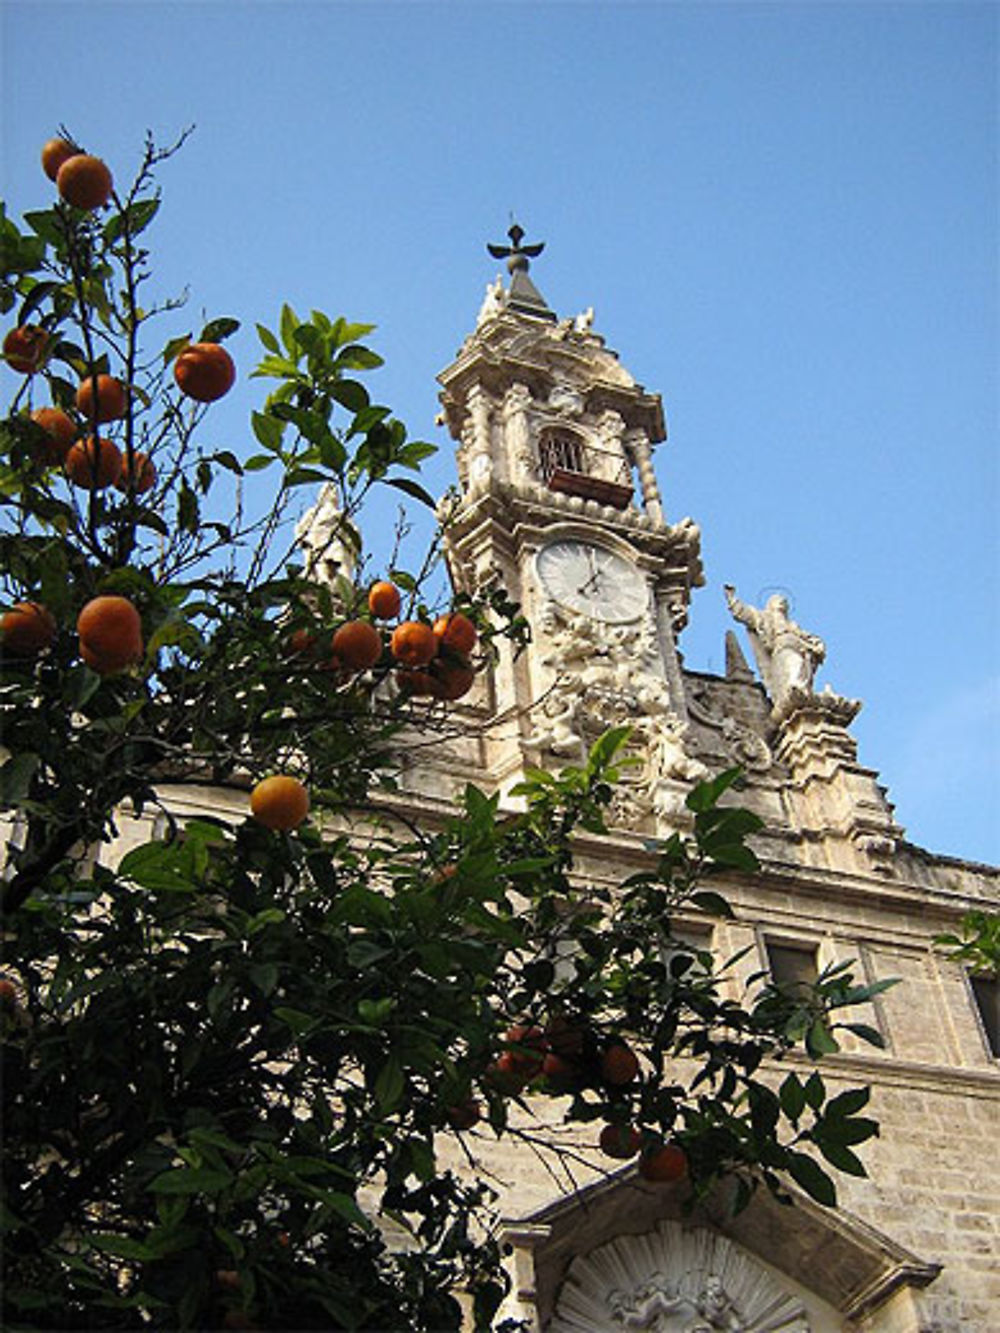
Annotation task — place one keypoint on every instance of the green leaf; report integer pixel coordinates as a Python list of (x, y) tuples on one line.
[(389, 1085), (218, 329), (793, 1097), (15, 778), (356, 357), (413, 489), (820, 1040), (713, 903), (813, 1179), (125, 1247), (840, 1156), (866, 1033), (268, 339), (191, 1180), (815, 1091), (268, 430), (350, 394), (849, 1102), (706, 794), (289, 323)]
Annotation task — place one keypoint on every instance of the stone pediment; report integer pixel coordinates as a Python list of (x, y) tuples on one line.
[(566, 1246)]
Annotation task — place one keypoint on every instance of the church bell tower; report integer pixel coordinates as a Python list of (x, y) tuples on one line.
[(559, 499)]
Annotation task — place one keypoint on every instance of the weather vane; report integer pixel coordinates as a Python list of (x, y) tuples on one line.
[(516, 254)]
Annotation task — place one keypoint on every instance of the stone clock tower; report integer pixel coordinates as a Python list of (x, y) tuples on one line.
[(558, 497)]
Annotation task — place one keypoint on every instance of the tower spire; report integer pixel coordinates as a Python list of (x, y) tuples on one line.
[(523, 295)]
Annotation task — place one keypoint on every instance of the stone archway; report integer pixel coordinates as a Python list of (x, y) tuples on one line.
[(823, 1268)]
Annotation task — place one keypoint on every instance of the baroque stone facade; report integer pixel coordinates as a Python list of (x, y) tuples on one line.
[(558, 498)]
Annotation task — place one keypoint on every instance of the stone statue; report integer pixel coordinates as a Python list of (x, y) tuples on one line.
[(325, 535), (787, 657), (493, 302)]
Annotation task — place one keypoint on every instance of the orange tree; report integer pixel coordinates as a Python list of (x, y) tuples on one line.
[(233, 1053)]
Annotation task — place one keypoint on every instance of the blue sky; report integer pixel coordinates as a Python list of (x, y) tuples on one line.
[(784, 215)]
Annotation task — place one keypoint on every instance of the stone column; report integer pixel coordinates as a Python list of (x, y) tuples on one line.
[(642, 451), (479, 454), (517, 434)]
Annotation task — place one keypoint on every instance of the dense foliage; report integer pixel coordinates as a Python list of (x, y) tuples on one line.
[(231, 1060)]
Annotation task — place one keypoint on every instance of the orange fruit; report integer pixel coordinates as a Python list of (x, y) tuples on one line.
[(110, 631), (417, 684), (93, 464), (413, 643), (26, 629), (505, 1074), (300, 642), (61, 430), (8, 993), (457, 631), (621, 1141), (357, 644), (560, 1074), (280, 802), (384, 600), (84, 181), (140, 477), (453, 678), (619, 1064), (664, 1165), (54, 153), (565, 1036), (24, 348), (204, 372), (465, 1114), (526, 1048), (111, 398)]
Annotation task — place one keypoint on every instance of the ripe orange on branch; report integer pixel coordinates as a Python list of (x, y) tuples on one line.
[(204, 372), (26, 629), (61, 430), (93, 464), (457, 631), (357, 644), (620, 1141), (413, 643), (384, 601), (110, 400), (280, 803), (24, 348), (54, 153), (140, 476), (619, 1065), (84, 181), (664, 1165), (110, 631)]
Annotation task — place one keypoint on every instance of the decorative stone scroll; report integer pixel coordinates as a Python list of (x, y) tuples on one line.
[(673, 1280)]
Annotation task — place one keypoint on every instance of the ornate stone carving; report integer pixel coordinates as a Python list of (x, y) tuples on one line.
[(787, 656), (672, 1280), (566, 401), (609, 676), (742, 744)]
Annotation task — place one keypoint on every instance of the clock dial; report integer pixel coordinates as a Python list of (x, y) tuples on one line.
[(592, 580)]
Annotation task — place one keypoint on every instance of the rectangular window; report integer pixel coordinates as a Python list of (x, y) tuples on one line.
[(791, 964), (986, 991)]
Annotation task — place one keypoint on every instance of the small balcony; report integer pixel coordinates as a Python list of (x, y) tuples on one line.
[(572, 467)]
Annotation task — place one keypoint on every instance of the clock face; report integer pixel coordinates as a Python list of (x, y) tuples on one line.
[(592, 580)]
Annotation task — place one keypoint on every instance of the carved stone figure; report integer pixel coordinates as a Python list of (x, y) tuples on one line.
[(326, 538), (493, 302), (787, 656), (674, 1279)]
